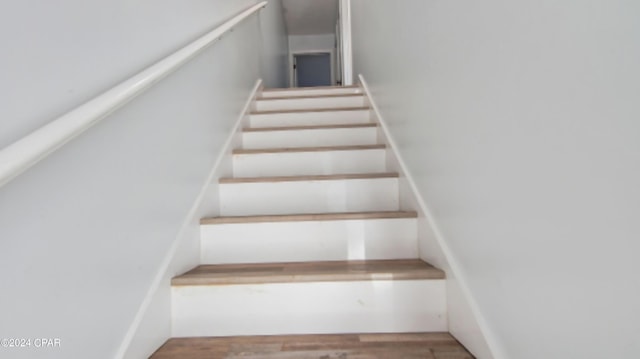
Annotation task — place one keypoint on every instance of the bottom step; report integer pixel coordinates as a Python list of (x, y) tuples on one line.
[(350, 346), (309, 298)]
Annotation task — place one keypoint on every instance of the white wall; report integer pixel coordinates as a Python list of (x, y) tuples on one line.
[(275, 46), (301, 43), (85, 232), (519, 121)]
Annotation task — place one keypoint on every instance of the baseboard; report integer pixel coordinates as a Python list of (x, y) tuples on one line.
[(138, 341), (465, 320)]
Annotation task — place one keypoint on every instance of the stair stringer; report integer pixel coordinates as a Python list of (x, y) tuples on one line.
[(152, 323), (465, 321)]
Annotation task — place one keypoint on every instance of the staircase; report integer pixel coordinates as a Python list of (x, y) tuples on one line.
[(311, 256)]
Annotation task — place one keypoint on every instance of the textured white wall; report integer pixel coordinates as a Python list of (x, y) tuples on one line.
[(84, 232), (519, 121)]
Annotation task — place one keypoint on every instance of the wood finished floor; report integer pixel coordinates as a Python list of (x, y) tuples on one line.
[(348, 346)]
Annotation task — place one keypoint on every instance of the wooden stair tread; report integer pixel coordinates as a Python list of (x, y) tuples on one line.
[(334, 109), (230, 180), (329, 346), (308, 149), (302, 89), (406, 269), (307, 97), (309, 217), (314, 127)]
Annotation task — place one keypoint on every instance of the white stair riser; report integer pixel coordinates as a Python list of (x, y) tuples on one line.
[(309, 103), (309, 118), (311, 92), (273, 242), (381, 306), (310, 138), (309, 163), (361, 195)]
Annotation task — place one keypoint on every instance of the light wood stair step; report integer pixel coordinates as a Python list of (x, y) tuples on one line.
[(309, 237), (231, 180), (310, 117), (308, 149), (309, 161), (338, 271), (305, 97), (307, 89), (327, 346), (334, 109), (276, 195), (308, 194), (310, 135), (310, 217), (312, 127), (289, 103), (312, 297)]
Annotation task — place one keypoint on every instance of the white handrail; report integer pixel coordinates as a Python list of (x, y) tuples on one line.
[(29, 150)]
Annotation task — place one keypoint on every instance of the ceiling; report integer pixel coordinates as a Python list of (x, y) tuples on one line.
[(310, 17)]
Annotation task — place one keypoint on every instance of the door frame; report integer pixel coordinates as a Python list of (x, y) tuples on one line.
[(345, 42), (294, 73)]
